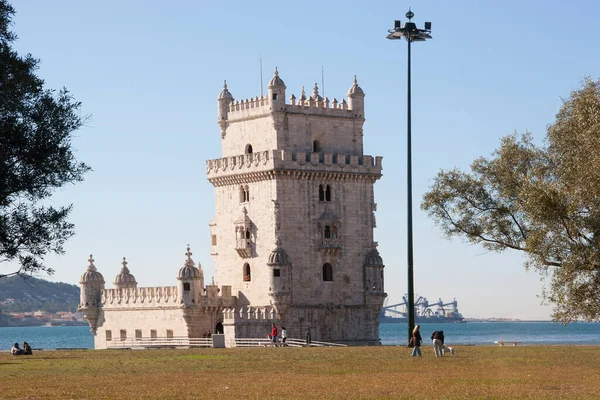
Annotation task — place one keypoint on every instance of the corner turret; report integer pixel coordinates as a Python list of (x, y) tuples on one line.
[(188, 282), (224, 100), (91, 285), (276, 90), (356, 99), (280, 277), (374, 276)]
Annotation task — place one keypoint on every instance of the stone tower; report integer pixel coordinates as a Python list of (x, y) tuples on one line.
[(293, 227)]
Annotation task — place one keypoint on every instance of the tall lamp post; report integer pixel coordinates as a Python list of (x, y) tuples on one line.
[(411, 33)]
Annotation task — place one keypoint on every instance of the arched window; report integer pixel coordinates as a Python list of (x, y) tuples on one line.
[(186, 286), (316, 146), (219, 328), (328, 193), (248, 149), (247, 273), (327, 232), (244, 194), (327, 273), (321, 193), (247, 233), (334, 233)]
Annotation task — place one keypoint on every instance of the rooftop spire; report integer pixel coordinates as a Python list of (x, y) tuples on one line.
[(188, 260), (91, 267), (124, 268)]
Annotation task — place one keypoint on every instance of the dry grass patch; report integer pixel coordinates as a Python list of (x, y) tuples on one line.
[(305, 373)]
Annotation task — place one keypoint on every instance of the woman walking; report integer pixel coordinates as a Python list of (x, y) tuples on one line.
[(416, 341)]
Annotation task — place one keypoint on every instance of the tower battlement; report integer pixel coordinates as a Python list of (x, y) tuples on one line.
[(275, 160), (249, 314), (261, 106), (163, 296), (231, 111)]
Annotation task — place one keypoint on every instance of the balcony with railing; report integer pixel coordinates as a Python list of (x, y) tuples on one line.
[(331, 245), (244, 247)]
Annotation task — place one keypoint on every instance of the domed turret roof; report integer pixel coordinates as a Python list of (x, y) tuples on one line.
[(373, 259), (91, 274), (188, 271), (278, 256), (276, 80), (355, 89), (124, 277), (225, 93)]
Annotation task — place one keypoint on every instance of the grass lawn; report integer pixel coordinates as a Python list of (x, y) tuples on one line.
[(386, 372)]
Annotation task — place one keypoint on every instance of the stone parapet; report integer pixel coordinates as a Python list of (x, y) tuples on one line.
[(240, 110), (262, 165), (249, 314), (163, 296)]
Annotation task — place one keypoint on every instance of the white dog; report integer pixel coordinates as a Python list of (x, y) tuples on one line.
[(448, 349)]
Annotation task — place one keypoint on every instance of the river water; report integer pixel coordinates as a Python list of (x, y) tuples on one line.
[(471, 333)]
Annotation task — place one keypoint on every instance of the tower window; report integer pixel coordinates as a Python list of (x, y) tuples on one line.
[(244, 194), (316, 146), (247, 273), (248, 149), (328, 193), (213, 240), (327, 273), (276, 272), (327, 232), (247, 233), (186, 287), (321, 193), (274, 96)]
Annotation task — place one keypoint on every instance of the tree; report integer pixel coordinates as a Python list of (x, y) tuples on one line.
[(541, 200), (36, 127)]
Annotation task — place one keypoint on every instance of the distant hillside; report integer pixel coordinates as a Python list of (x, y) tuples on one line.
[(32, 294)]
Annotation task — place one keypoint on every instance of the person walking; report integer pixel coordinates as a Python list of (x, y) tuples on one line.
[(416, 341), (283, 335), (274, 334), (438, 343)]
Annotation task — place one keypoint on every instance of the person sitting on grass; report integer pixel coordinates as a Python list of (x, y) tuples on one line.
[(27, 349), (16, 351)]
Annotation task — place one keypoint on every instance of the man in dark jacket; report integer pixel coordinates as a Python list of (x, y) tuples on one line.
[(438, 343)]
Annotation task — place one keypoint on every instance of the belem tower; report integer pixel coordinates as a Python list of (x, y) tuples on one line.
[(291, 238)]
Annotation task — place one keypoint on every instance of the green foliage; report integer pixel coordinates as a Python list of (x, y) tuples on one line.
[(33, 294), (36, 158), (542, 200)]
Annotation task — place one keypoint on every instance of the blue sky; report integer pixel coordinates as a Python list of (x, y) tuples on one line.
[(149, 73)]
